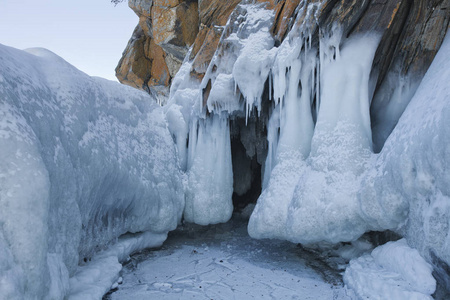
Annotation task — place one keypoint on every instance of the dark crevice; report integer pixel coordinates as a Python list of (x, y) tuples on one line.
[(249, 151)]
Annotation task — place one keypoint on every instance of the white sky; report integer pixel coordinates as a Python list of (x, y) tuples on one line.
[(89, 34)]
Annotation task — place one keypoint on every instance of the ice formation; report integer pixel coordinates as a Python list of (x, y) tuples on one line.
[(322, 177), (210, 182), (201, 126), (320, 172), (82, 161), (391, 271), (322, 162)]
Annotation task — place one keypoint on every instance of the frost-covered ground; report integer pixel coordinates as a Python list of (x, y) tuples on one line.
[(223, 262)]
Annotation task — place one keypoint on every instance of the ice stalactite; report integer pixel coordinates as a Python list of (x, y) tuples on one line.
[(311, 173), (325, 206), (210, 182), (289, 133)]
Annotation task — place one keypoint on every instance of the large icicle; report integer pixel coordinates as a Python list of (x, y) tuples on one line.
[(311, 194), (325, 206), (210, 174), (288, 149)]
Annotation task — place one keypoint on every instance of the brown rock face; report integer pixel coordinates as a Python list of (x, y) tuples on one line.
[(284, 12), (214, 15), (175, 25), (205, 47), (166, 30), (143, 63)]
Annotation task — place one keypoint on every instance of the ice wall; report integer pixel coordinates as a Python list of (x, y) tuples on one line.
[(412, 171), (82, 161)]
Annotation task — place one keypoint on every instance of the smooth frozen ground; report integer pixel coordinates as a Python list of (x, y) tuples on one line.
[(223, 262)]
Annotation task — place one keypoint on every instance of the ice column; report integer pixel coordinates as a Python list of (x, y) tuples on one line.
[(312, 180), (210, 174), (290, 132)]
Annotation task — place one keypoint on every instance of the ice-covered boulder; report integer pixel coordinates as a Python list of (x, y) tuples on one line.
[(82, 161), (391, 271)]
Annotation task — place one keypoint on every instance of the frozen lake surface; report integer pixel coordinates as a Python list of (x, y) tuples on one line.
[(223, 262)]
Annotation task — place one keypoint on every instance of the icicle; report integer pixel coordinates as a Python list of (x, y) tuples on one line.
[(210, 176), (310, 38), (270, 85)]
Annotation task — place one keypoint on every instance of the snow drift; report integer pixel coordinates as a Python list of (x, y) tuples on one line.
[(82, 161)]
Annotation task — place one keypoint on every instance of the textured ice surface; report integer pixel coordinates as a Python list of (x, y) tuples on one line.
[(93, 279), (82, 161), (391, 271)]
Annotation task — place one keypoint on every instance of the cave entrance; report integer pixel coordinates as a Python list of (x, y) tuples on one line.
[(249, 151), (246, 176)]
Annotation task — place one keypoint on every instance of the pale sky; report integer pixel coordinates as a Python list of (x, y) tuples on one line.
[(89, 34)]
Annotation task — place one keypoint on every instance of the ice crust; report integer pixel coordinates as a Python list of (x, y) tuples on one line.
[(82, 161), (391, 271)]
